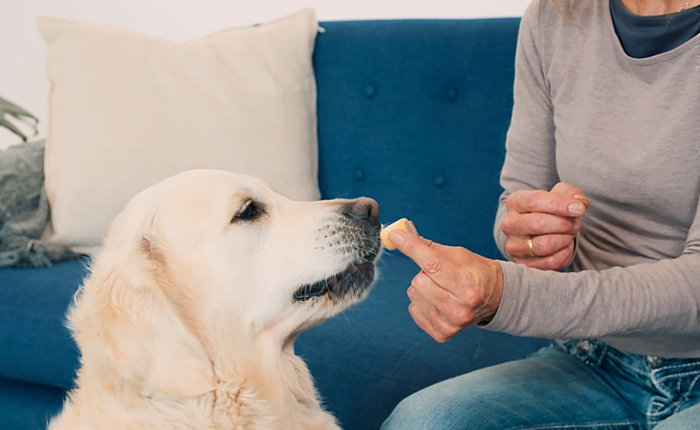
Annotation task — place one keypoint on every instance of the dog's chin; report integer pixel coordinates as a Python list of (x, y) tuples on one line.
[(351, 284)]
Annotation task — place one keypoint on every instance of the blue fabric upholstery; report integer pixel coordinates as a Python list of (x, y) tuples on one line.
[(37, 346), (412, 113), (26, 406)]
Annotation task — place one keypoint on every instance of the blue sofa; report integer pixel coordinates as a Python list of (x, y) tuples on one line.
[(412, 113)]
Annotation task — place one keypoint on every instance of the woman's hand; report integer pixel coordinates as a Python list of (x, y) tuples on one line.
[(541, 225), (454, 289)]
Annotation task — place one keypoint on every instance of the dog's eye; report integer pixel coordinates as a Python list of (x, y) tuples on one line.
[(250, 211)]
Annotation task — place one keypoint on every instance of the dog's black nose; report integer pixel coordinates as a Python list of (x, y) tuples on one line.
[(364, 209)]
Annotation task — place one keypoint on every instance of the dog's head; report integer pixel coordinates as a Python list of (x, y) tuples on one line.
[(229, 260)]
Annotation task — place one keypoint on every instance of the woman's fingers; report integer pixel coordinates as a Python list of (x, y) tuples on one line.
[(532, 224), (542, 246), (540, 225), (428, 318), (562, 205), (428, 290), (571, 191), (426, 254), (555, 261)]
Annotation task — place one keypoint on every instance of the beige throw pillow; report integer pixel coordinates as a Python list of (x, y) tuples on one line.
[(127, 110)]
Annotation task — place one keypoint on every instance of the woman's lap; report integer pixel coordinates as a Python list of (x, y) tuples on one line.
[(549, 390)]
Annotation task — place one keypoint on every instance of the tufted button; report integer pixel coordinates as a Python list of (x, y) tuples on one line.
[(585, 345), (452, 94), (439, 181), (359, 174), (370, 91)]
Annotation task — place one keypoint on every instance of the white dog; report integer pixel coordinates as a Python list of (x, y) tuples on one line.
[(189, 315)]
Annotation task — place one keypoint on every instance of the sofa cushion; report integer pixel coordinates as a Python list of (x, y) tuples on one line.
[(27, 406), (128, 110), (414, 113), (37, 347)]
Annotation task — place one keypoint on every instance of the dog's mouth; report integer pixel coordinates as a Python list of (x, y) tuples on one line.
[(355, 279)]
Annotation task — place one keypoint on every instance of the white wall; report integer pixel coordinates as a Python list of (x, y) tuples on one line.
[(22, 77)]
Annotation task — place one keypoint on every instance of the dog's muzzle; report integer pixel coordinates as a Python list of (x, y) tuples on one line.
[(355, 279), (359, 236)]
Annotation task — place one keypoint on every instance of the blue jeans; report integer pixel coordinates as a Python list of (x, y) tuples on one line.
[(573, 385)]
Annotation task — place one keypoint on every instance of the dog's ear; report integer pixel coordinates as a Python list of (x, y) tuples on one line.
[(127, 328)]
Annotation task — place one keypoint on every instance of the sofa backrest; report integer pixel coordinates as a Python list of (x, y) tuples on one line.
[(414, 113)]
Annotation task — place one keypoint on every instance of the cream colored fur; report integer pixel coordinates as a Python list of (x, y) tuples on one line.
[(186, 320)]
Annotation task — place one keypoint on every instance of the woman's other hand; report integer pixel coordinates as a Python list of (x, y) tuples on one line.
[(540, 226)]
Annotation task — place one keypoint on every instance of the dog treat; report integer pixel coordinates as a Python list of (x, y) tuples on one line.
[(402, 224)]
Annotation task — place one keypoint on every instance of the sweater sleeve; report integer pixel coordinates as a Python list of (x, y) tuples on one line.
[(647, 299), (530, 146)]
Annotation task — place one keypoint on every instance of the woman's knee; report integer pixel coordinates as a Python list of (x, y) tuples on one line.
[(496, 397), (422, 410), (453, 404)]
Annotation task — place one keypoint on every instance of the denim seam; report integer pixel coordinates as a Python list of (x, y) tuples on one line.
[(653, 403), (660, 385), (673, 408), (676, 366), (578, 426), (679, 375), (664, 411), (679, 404), (651, 416), (691, 387)]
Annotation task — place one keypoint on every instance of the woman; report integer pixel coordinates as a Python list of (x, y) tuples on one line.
[(606, 123)]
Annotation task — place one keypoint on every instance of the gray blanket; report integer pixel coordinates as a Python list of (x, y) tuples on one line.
[(24, 209)]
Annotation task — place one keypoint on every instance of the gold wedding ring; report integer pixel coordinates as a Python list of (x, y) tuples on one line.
[(530, 250)]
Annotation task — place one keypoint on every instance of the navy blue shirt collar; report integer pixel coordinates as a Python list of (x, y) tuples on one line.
[(646, 36)]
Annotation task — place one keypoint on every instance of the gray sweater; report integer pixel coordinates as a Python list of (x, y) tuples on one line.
[(627, 132)]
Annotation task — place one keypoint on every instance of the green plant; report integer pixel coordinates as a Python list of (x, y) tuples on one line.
[(11, 110)]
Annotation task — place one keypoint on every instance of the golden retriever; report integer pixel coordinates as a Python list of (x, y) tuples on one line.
[(190, 312)]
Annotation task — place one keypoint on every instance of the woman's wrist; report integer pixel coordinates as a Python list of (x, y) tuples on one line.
[(494, 300)]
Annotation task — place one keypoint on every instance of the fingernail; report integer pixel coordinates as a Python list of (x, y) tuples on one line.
[(396, 237), (583, 199), (576, 208)]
